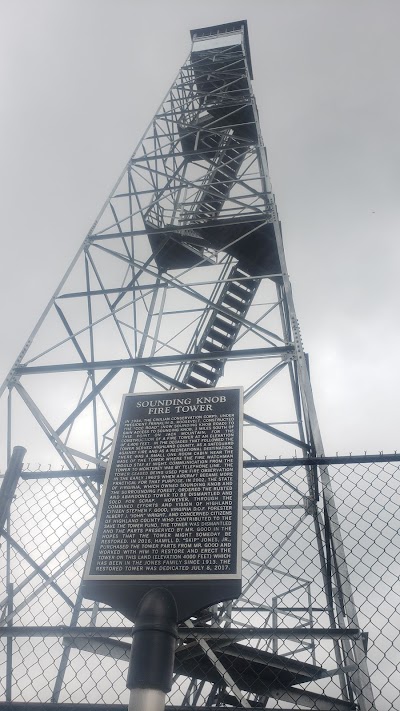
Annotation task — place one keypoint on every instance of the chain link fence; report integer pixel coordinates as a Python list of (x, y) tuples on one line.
[(289, 642)]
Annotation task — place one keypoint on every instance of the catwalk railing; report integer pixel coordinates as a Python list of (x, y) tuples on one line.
[(278, 648)]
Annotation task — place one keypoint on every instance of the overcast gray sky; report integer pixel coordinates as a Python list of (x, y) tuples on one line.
[(79, 81)]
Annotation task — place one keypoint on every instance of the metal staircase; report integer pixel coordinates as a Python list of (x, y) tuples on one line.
[(223, 327)]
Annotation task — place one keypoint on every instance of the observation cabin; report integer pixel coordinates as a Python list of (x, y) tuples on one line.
[(218, 137)]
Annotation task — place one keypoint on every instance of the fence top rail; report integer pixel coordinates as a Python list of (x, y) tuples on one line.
[(98, 474), (190, 632), (301, 461)]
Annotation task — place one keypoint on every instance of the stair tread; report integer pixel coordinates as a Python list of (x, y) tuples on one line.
[(235, 303), (226, 326), (209, 346), (201, 370), (225, 339), (198, 383)]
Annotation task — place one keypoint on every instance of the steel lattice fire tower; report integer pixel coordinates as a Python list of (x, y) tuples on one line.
[(180, 283)]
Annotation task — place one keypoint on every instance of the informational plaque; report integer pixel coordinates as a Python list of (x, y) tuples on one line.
[(170, 512)]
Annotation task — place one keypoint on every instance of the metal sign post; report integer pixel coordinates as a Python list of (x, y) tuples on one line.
[(152, 657)]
